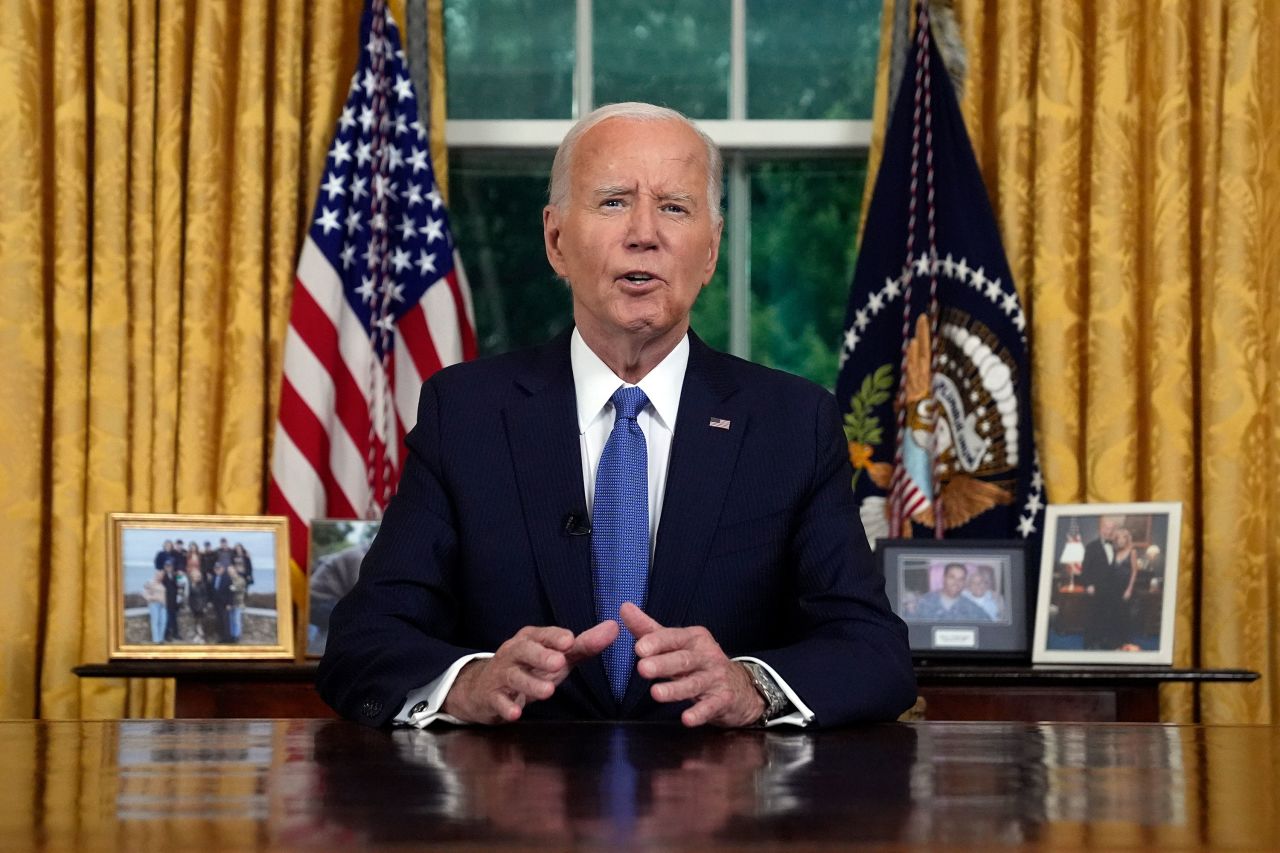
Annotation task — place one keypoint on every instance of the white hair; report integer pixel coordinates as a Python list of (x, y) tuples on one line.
[(558, 191)]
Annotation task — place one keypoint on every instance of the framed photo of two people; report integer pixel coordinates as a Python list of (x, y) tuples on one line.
[(1108, 583), (198, 587), (959, 598)]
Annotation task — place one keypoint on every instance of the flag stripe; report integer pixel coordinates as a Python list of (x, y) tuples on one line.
[(466, 311), (313, 384), (298, 482), (312, 441), (350, 402), (408, 379), (415, 337), (442, 319), (298, 529)]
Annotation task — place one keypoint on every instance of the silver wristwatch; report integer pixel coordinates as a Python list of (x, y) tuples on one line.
[(775, 701)]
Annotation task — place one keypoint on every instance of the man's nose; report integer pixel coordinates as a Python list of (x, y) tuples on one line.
[(642, 228)]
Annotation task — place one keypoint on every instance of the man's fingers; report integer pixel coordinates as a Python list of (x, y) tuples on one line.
[(637, 621), (665, 640), (673, 664), (593, 641), (560, 639), (679, 689), (533, 655), (504, 707), (704, 711), (526, 683)]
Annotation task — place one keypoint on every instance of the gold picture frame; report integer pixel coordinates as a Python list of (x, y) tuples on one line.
[(160, 611)]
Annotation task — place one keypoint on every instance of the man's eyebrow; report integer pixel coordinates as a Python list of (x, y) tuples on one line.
[(610, 190), (684, 198)]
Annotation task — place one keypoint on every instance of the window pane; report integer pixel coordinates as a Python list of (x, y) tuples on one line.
[(710, 316), (813, 59), (495, 202), (804, 217), (675, 54), (509, 58)]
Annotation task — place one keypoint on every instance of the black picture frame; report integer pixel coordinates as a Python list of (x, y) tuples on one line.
[(978, 624)]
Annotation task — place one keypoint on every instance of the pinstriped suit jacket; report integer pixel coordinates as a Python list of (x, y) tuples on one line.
[(759, 542)]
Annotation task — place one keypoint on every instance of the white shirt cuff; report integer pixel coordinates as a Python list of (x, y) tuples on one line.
[(801, 716), (422, 706)]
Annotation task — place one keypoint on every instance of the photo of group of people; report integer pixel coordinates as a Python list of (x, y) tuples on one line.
[(199, 587), (953, 590)]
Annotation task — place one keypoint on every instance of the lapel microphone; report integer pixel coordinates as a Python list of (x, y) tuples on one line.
[(577, 524)]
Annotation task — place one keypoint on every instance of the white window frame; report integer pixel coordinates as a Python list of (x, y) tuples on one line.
[(740, 139)]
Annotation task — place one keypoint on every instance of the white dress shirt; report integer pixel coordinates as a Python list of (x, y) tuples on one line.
[(594, 383)]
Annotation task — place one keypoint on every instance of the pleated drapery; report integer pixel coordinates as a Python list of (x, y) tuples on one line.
[(162, 159)]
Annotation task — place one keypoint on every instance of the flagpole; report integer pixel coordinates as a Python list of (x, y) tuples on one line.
[(922, 118)]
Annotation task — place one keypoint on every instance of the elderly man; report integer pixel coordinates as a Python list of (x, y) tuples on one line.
[(623, 523)]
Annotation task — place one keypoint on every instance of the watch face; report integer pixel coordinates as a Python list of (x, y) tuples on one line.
[(774, 699)]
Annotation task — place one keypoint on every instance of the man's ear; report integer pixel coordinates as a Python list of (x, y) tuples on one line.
[(713, 253), (551, 239)]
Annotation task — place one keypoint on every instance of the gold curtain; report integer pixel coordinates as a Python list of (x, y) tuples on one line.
[(1130, 150), (162, 159)]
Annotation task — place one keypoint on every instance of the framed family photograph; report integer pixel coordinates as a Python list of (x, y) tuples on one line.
[(198, 587), (959, 598), (1108, 584), (337, 548)]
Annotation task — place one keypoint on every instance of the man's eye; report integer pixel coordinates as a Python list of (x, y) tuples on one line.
[(675, 208), (611, 202)]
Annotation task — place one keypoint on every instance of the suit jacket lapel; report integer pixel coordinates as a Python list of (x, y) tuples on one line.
[(698, 475), (542, 426)]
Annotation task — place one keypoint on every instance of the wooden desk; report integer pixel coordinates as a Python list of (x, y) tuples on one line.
[(1092, 694), (328, 784), (1073, 694)]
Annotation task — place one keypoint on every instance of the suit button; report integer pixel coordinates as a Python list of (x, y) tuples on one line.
[(371, 708), (419, 708)]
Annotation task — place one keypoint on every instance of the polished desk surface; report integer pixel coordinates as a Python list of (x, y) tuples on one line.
[(325, 784)]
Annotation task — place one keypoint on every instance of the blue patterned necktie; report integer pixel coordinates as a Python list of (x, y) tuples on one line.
[(620, 530)]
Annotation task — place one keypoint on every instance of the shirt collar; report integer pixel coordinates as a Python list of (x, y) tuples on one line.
[(594, 383)]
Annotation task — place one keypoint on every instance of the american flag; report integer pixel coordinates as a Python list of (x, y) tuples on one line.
[(380, 302)]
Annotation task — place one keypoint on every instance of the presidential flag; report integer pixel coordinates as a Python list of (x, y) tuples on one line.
[(380, 302), (934, 376)]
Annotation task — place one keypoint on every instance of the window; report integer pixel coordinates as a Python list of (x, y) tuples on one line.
[(783, 86)]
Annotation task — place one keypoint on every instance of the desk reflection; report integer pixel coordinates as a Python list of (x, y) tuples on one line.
[(311, 784), (601, 784)]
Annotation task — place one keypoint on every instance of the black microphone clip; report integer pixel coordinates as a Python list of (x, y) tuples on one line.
[(577, 524)]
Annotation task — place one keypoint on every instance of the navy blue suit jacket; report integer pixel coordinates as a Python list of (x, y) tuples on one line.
[(759, 541)]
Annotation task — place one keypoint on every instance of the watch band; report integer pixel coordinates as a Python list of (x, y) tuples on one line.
[(775, 701)]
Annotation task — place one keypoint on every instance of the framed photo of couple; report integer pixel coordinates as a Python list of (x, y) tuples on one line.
[(959, 598), (1108, 584)]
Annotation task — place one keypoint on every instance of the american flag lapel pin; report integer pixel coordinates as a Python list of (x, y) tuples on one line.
[(719, 423)]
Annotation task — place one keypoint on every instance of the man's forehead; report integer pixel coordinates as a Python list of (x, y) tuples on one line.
[(619, 139)]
